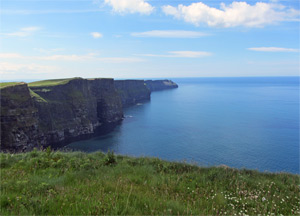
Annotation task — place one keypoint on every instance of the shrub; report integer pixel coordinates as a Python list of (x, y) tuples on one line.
[(110, 158)]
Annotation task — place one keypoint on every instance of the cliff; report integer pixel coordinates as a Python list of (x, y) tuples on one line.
[(56, 112), (132, 91), (19, 117), (158, 85)]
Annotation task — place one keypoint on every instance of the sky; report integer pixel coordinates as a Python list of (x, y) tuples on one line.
[(49, 39)]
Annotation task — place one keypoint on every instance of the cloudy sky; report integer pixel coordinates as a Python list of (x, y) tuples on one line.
[(42, 39)]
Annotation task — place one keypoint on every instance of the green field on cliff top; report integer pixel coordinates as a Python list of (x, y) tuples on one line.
[(6, 84), (74, 183), (52, 82)]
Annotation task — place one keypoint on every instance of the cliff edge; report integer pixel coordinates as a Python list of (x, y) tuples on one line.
[(57, 112), (158, 85), (132, 91)]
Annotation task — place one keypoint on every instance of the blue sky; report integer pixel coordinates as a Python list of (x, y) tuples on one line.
[(43, 39)]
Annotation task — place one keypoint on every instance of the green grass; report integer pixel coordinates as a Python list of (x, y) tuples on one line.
[(6, 84), (52, 82), (74, 183), (36, 96)]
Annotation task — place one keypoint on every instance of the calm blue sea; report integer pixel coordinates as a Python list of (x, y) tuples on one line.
[(240, 122)]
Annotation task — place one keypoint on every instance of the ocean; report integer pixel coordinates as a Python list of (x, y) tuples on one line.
[(250, 123)]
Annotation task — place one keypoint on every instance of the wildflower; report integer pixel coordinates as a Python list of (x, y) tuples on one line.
[(263, 199)]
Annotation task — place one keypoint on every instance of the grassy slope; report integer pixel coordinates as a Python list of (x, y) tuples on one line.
[(36, 96), (6, 84), (81, 184), (52, 82)]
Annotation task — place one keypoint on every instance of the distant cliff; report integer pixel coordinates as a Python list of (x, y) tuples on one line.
[(132, 91), (56, 112), (158, 85)]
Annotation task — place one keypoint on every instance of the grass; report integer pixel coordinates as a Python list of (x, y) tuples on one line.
[(52, 82), (6, 84), (36, 96), (74, 183)]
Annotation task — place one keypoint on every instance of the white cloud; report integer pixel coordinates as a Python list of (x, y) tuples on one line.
[(96, 35), (273, 49), (118, 36), (91, 57), (234, 14), (11, 68), (181, 54), (76, 58), (10, 55), (65, 57), (169, 34), (23, 32), (47, 51), (121, 60), (130, 6)]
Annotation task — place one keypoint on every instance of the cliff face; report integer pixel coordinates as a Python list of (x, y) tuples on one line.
[(58, 114), (19, 117), (157, 85), (132, 91)]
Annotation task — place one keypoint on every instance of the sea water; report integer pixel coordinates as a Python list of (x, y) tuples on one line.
[(248, 123)]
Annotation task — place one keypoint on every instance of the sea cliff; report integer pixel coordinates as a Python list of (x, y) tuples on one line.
[(132, 91), (158, 85), (57, 112)]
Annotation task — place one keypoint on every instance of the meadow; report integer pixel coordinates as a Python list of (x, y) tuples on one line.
[(75, 183)]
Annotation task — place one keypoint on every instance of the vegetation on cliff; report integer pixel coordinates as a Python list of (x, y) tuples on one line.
[(6, 84), (57, 183), (52, 82)]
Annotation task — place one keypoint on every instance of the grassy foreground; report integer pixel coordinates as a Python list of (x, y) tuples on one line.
[(46, 182)]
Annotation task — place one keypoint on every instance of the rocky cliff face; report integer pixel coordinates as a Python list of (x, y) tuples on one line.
[(158, 85), (56, 112), (19, 117), (51, 115), (132, 91)]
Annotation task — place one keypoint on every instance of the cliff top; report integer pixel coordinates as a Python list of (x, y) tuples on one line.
[(7, 84), (51, 82)]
